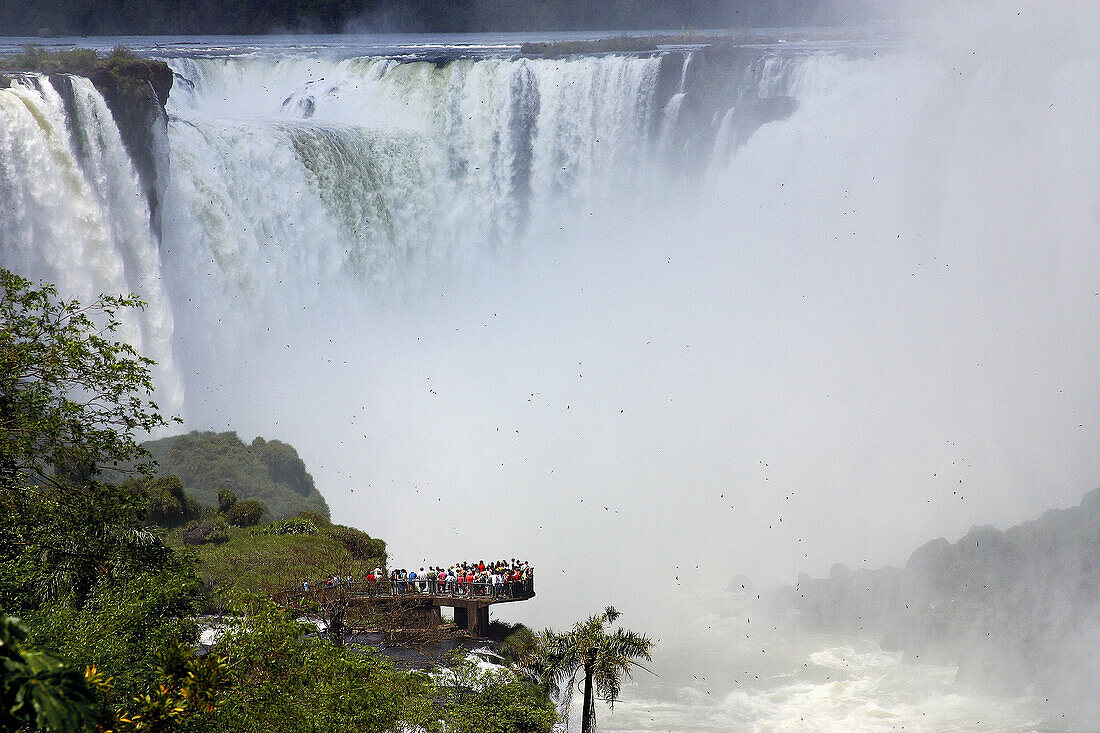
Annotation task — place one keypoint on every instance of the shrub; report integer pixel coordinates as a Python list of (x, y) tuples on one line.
[(318, 520), (288, 526), (247, 513), (168, 506), (219, 532), (37, 58), (359, 545), (227, 498)]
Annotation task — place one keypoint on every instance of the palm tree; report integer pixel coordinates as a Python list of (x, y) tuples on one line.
[(588, 655)]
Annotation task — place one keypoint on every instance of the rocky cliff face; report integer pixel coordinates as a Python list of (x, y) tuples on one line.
[(1018, 608), (714, 99), (137, 90)]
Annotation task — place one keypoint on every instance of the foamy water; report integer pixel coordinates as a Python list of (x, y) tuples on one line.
[(729, 669)]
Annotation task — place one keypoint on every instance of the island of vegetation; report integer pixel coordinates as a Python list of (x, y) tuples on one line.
[(109, 562), (266, 471)]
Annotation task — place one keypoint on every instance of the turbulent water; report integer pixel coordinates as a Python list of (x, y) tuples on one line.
[(368, 174), (833, 298), (736, 671), (72, 210)]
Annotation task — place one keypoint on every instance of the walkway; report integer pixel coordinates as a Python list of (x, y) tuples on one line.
[(420, 599)]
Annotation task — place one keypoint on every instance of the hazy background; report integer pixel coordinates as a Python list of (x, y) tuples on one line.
[(877, 325)]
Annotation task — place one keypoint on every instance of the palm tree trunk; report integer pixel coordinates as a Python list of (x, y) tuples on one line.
[(588, 711)]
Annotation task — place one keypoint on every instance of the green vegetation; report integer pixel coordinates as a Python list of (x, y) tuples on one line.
[(285, 681), (79, 564), (121, 75), (494, 702), (71, 400), (267, 471), (38, 690), (168, 505), (37, 58), (268, 559), (590, 654), (107, 600)]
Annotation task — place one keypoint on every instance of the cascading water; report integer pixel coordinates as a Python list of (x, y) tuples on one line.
[(289, 179), (72, 210), (377, 172), (293, 178)]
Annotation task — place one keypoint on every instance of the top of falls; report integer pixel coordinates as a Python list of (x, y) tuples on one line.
[(439, 46)]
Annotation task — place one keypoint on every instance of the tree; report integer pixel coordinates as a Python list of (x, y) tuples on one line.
[(588, 655), (122, 629), (477, 700), (169, 505), (38, 691), (285, 681), (72, 402), (72, 399), (227, 499), (247, 513)]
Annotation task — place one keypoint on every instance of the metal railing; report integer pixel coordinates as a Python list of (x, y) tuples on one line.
[(430, 588)]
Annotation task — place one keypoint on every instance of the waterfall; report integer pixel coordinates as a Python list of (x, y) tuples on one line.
[(293, 181), (507, 283), (669, 117), (292, 177), (72, 210), (288, 179)]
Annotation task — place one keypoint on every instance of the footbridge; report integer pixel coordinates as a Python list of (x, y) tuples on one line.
[(418, 602)]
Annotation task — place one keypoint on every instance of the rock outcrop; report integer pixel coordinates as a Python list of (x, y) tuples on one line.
[(1018, 610), (136, 90)]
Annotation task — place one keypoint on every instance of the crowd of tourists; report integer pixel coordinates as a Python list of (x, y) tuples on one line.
[(495, 579)]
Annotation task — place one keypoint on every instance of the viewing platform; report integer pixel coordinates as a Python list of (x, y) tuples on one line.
[(417, 598)]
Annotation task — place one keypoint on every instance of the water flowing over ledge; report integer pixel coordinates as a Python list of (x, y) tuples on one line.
[(74, 211), (367, 173)]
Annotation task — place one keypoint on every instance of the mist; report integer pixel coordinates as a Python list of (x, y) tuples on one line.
[(874, 324)]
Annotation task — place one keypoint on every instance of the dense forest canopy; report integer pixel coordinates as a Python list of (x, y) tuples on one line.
[(141, 17)]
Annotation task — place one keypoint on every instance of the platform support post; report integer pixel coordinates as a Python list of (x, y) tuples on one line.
[(480, 625)]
